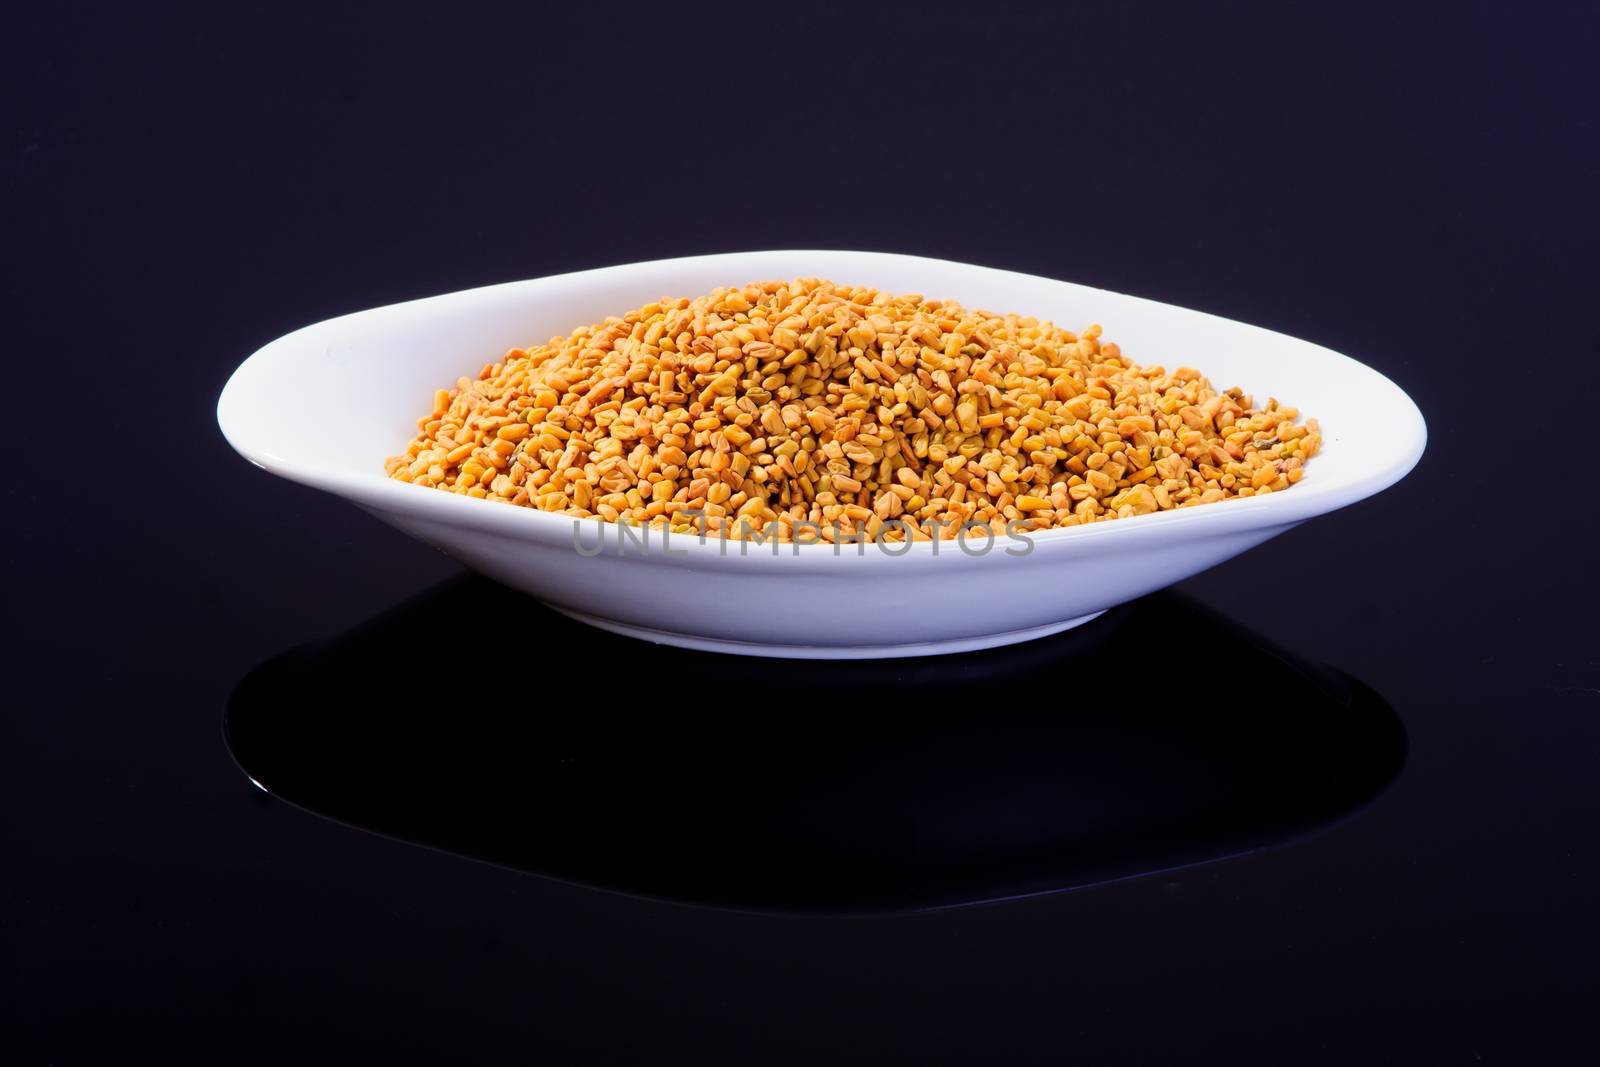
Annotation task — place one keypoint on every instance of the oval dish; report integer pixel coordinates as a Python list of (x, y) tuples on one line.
[(326, 404)]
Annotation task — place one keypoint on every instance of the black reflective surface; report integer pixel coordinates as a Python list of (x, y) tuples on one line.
[(1411, 184), (842, 786)]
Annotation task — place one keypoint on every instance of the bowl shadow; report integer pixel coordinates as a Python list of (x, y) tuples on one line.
[(474, 720)]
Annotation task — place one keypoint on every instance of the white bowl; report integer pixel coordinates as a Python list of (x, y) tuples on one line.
[(326, 404)]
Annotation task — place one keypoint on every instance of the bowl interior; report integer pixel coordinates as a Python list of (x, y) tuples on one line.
[(331, 401)]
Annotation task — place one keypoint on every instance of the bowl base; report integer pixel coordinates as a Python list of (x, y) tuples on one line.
[(752, 648)]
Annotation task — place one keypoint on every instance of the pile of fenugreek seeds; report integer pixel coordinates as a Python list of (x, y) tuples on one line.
[(849, 413)]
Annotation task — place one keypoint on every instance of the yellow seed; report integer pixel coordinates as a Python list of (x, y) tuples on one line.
[(1139, 498), (797, 402), (967, 416)]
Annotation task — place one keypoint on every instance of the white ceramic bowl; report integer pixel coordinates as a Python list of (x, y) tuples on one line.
[(326, 404)]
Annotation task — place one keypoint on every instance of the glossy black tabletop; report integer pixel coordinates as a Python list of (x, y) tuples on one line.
[(286, 786)]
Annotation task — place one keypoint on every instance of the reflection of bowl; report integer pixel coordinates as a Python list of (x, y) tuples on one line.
[(326, 404), (1087, 756)]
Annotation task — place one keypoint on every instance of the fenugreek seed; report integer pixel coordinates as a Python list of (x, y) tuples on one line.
[(967, 416), (804, 400)]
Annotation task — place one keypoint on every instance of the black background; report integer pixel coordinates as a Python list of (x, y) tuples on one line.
[(1413, 185)]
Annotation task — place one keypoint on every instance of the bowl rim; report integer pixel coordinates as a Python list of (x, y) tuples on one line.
[(380, 493)]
